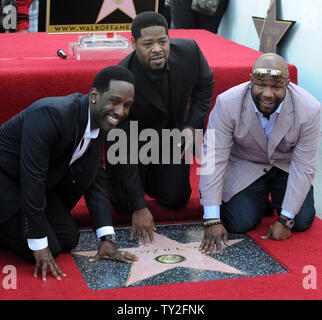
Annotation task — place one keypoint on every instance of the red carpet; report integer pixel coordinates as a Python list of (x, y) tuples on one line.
[(301, 250)]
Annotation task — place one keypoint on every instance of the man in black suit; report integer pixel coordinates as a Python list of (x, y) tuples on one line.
[(169, 74), (50, 155)]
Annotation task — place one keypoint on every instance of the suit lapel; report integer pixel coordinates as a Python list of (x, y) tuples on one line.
[(281, 126), (145, 86), (252, 123), (82, 121)]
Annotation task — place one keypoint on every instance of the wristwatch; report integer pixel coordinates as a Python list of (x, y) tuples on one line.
[(289, 223), (108, 237)]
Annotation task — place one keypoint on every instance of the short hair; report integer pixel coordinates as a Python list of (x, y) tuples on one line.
[(147, 19), (103, 77)]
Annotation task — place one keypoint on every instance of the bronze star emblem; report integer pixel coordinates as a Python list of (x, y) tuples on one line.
[(271, 30)]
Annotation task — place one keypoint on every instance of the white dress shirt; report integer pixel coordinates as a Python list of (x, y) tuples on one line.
[(38, 244), (213, 212)]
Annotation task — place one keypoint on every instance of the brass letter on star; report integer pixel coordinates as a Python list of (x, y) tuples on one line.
[(271, 30)]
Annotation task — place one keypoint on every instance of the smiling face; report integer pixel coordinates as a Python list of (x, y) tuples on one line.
[(111, 106), (269, 80), (152, 48), (268, 94)]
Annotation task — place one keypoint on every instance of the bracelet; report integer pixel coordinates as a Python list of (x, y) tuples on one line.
[(212, 222)]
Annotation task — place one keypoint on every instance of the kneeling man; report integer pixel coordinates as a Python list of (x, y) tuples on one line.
[(50, 155), (262, 139)]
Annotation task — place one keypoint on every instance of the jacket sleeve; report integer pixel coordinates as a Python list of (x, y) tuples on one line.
[(201, 96), (41, 129), (97, 199), (216, 149), (304, 164), (125, 172)]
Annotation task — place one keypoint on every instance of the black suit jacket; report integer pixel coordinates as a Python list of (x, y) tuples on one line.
[(190, 92), (36, 147)]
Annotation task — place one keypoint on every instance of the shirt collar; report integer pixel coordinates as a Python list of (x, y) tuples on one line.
[(90, 134)]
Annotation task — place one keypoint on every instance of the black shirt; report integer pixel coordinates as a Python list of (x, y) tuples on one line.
[(161, 82)]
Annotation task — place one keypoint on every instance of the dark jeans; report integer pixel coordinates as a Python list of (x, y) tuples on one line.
[(61, 229), (246, 209)]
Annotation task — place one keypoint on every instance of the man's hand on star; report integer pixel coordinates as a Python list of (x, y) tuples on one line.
[(108, 250), (143, 225), (212, 239)]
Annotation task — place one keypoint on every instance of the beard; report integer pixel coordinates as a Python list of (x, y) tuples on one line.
[(267, 106)]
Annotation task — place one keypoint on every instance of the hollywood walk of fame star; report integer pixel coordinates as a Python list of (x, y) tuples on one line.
[(109, 6), (165, 254), (271, 30)]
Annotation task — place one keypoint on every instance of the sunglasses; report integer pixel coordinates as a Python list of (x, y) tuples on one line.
[(262, 74)]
